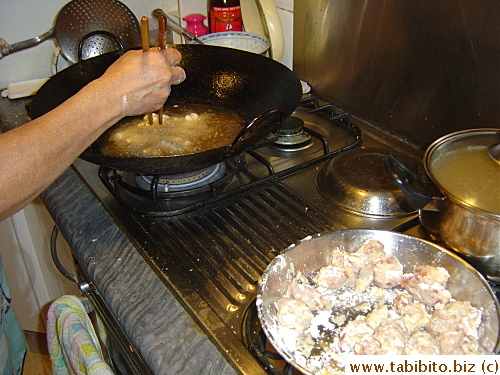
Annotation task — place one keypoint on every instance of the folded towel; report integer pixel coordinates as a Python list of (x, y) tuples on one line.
[(72, 341)]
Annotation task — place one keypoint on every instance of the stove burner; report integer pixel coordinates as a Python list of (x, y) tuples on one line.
[(356, 181), (189, 181), (170, 195), (292, 136)]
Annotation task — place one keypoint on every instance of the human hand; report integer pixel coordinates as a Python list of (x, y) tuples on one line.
[(141, 80)]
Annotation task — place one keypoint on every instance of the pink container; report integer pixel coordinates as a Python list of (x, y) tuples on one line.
[(195, 24)]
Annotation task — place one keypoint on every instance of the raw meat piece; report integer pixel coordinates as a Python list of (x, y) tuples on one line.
[(364, 279), (354, 332), (377, 317), (470, 346), (450, 342), (421, 343), (392, 337), (312, 297), (351, 262), (414, 316), (367, 346), (402, 300), (454, 316), (430, 274), (293, 314), (429, 294), (371, 251), (387, 272), (334, 278)]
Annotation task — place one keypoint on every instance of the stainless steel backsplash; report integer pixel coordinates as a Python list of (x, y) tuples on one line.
[(416, 69)]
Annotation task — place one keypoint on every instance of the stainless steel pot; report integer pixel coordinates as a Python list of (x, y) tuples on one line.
[(462, 215), (314, 252)]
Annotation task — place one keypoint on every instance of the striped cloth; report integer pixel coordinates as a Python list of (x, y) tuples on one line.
[(72, 341)]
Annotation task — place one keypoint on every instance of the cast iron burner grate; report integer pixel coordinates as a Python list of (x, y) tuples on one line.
[(156, 199)]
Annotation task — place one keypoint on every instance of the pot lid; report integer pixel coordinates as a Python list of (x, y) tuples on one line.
[(459, 165), (356, 181)]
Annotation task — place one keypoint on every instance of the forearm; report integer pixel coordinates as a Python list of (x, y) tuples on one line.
[(35, 154)]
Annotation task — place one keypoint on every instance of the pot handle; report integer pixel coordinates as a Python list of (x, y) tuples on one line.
[(409, 182), (258, 128)]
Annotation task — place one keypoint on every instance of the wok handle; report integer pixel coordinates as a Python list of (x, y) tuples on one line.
[(258, 128)]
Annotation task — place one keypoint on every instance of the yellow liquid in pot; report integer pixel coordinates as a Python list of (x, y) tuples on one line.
[(186, 129), (470, 175)]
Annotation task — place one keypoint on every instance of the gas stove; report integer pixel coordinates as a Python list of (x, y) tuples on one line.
[(211, 245)]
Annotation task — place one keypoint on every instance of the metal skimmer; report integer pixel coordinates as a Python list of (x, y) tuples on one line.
[(79, 18)]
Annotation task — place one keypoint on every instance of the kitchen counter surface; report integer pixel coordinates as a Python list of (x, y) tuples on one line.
[(167, 338)]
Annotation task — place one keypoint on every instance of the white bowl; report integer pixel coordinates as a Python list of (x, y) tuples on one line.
[(239, 40)]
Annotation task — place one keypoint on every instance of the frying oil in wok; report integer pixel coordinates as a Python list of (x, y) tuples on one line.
[(186, 129)]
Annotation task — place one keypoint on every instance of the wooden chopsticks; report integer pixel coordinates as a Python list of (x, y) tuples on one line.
[(145, 47), (162, 28)]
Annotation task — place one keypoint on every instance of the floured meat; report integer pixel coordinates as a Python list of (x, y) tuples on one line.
[(421, 343), (414, 316), (455, 316), (334, 277), (378, 317), (431, 274), (392, 337), (354, 333), (348, 261), (402, 300), (367, 346), (387, 272), (427, 284), (449, 342), (293, 314), (312, 297), (364, 279), (363, 303), (371, 251), (470, 346)]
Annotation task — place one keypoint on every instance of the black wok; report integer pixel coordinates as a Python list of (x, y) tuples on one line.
[(254, 86)]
